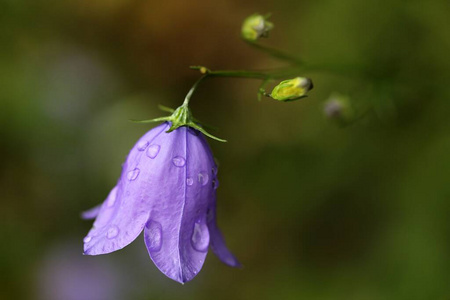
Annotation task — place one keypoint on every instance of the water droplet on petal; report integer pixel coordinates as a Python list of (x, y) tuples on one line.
[(141, 146), (200, 237), (133, 174), (113, 231), (87, 239), (153, 236), (203, 178), (189, 181), (179, 161), (153, 151), (215, 184), (215, 170)]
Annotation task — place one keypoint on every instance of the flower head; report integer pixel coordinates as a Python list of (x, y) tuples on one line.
[(168, 190), (255, 27)]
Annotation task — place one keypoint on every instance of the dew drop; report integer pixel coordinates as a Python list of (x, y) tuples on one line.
[(153, 236), (203, 178), (178, 161), (153, 151), (87, 239), (113, 231), (133, 174), (200, 237), (141, 146), (215, 184), (189, 181), (215, 170)]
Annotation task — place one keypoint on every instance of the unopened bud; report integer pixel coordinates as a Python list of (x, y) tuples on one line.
[(339, 108), (292, 89), (255, 27)]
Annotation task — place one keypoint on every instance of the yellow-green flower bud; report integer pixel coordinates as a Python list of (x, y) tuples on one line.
[(292, 89), (255, 26)]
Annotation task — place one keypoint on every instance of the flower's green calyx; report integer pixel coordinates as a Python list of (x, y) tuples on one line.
[(181, 116), (255, 27), (292, 89)]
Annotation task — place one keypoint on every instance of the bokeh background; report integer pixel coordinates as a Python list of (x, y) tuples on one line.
[(313, 209)]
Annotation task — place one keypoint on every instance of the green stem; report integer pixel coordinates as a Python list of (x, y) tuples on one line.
[(192, 90), (268, 75), (238, 74)]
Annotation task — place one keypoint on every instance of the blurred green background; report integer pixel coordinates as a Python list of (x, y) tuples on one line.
[(313, 210)]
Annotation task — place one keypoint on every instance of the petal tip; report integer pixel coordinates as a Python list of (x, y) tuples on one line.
[(233, 262), (91, 213)]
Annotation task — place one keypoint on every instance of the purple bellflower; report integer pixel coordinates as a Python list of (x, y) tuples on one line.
[(168, 189)]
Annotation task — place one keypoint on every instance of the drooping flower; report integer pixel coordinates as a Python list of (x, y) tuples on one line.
[(167, 189)]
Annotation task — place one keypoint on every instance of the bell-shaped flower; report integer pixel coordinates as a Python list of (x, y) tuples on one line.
[(168, 190)]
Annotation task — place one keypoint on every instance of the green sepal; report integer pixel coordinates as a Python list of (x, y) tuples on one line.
[(199, 128), (171, 110), (166, 108), (180, 117), (294, 99), (162, 119)]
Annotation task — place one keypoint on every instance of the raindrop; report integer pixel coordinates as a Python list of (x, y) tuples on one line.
[(133, 174), (200, 237), (87, 239), (189, 181), (215, 170), (203, 178), (153, 151), (113, 231), (178, 161), (141, 146), (153, 236), (215, 184)]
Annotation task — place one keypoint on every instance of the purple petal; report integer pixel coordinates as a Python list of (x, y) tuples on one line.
[(176, 235), (125, 212), (91, 213), (217, 242), (218, 245)]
